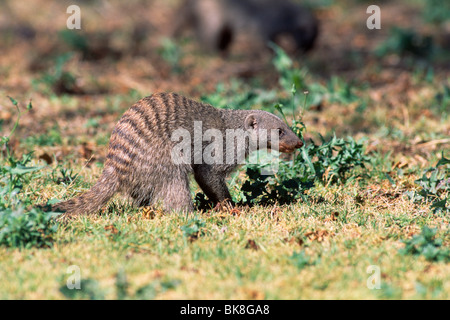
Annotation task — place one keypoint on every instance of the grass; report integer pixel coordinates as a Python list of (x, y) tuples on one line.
[(391, 213), (219, 263)]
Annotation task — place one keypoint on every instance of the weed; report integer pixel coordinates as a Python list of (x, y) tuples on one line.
[(75, 40), (441, 102), (427, 245), (407, 42), (19, 227), (434, 187), (13, 170), (336, 90), (51, 138), (301, 260), (57, 81), (202, 203), (65, 176), (232, 96), (436, 11), (288, 75), (331, 162), (194, 228), (91, 290), (172, 54)]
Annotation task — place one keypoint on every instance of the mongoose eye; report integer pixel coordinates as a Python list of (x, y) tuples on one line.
[(280, 132)]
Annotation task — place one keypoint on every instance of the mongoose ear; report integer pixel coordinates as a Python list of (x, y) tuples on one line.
[(250, 122)]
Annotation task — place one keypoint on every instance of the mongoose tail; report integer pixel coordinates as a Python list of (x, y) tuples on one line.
[(92, 200)]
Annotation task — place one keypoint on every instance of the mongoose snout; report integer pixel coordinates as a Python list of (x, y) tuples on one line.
[(140, 162), (289, 144)]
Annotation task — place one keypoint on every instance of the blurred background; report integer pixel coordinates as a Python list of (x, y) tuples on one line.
[(360, 81)]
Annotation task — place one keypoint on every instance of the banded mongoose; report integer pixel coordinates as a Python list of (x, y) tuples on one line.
[(140, 161), (217, 22)]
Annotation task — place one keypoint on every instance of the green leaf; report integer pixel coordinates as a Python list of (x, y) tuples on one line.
[(20, 169), (388, 177), (308, 160), (294, 89), (439, 204), (443, 161), (14, 101)]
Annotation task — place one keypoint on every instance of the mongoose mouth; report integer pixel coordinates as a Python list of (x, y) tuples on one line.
[(285, 148), (289, 149)]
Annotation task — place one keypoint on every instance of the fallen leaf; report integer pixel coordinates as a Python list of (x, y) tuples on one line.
[(251, 244), (111, 229), (46, 158)]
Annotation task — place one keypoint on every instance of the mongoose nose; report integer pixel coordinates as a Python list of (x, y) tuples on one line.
[(299, 144)]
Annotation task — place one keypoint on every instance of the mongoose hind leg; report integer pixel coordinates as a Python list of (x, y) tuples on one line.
[(174, 195), (212, 183), (141, 202)]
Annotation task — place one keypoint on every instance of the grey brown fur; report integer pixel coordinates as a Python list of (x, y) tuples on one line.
[(139, 162), (217, 22)]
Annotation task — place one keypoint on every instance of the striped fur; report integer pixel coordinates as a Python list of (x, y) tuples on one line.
[(139, 163)]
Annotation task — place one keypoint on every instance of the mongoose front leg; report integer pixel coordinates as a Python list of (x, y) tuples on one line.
[(212, 183)]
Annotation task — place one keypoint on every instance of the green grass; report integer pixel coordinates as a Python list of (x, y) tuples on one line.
[(316, 246), (218, 263), (370, 189)]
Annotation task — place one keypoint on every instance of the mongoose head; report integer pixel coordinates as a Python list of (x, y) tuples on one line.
[(263, 125)]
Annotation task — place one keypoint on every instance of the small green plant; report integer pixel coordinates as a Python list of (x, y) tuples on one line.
[(51, 138), (20, 227), (436, 11), (301, 260), (202, 203), (194, 228), (25, 229), (172, 54), (14, 170), (288, 75), (239, 95), (427, 245), (331, 162), (335, 90), (441, 102), (58, 81), (91, 290), (336, 159), (407, 42), (434, 187), (75, 40), (63, 176)]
